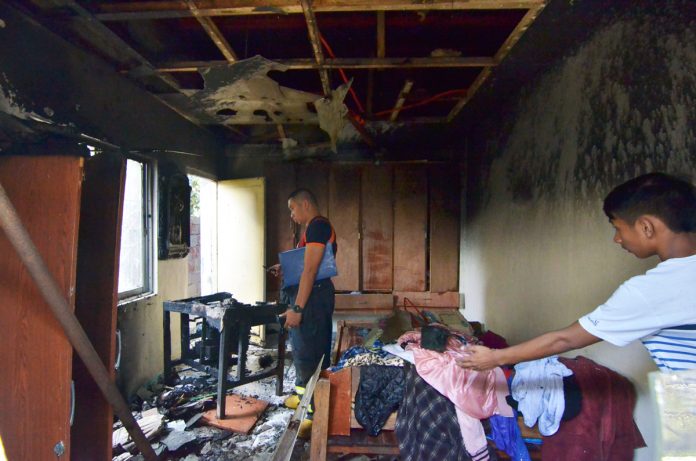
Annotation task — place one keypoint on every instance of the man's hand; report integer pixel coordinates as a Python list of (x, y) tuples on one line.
[(480, 358), (275, 270), (292, 318)]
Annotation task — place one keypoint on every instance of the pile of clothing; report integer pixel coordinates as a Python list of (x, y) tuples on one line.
[(584, 411), (455, 398)]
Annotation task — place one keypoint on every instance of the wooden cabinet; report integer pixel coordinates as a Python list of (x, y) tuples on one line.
[(76, 228), (397, 226), (36, 358)]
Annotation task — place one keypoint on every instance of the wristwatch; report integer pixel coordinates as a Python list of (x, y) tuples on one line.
[(297, 309)]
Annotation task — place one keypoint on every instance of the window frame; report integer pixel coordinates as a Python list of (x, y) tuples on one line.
[(149, 187)]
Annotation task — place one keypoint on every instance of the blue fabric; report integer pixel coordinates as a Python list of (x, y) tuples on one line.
[(507, 437), (358, 350)]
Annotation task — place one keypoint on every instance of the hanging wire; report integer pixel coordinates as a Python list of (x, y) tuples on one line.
[(343, 75)]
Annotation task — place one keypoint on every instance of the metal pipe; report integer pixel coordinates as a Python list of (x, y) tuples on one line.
[(27, 252)]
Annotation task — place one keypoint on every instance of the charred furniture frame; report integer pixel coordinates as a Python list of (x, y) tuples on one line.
[(233, 320)]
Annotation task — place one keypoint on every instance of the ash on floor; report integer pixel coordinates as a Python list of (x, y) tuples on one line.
[(173, 413)]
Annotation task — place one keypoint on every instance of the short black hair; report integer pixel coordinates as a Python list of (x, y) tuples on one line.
[(667, 197), (303, 194)]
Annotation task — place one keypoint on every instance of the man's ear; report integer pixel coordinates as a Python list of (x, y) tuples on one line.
[(647, 225)]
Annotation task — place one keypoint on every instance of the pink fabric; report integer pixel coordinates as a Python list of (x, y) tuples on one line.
[(476, 395)]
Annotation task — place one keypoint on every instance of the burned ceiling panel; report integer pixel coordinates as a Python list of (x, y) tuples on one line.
[(241, 64), (243, 94)]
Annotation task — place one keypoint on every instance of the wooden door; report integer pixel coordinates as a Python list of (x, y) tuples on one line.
[(344, 213), (96, 299), (377, 228), (410, 228), (36, 358), (444, 228)]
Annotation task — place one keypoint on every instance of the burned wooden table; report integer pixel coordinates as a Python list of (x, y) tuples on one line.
[(232, 320)]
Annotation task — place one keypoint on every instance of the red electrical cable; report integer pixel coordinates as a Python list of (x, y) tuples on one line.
[(422, 102), (388, 111), (343, 74)]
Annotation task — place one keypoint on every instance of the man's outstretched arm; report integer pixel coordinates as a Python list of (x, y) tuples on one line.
[(572, 337)]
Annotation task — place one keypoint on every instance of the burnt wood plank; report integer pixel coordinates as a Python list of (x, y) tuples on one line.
[(410, 228), (280, 182), (96, 299), (340, 403), (444, 227), (364, 303), (377, 228), (344, 213), (428, 299), (36, 361)]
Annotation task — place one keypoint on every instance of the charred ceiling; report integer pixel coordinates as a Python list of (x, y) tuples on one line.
[(256, 71)]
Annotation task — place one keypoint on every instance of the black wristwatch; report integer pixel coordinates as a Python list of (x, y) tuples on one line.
[(297, 309)]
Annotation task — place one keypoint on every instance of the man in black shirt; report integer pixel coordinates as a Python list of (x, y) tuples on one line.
[(310, 317)]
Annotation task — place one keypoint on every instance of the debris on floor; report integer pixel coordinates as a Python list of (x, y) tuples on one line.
[(173, 418)]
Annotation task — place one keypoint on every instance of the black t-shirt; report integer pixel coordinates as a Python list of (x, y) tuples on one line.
[(319, 230)]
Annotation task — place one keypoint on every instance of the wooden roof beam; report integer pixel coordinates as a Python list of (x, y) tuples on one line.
[(315, 40), (139, 10), (346, 63), (505, 48), (401, 100), (213, 32)]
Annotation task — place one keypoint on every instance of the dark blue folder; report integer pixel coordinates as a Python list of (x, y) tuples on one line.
[(292, 264)]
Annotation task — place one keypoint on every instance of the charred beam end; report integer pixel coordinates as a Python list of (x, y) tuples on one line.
[(401, 99)]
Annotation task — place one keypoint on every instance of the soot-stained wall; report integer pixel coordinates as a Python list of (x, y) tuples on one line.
[(537, 248)]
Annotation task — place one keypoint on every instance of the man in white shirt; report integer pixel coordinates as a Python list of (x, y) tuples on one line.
[(653, 214)]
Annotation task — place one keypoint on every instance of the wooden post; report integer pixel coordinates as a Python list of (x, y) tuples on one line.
[(320, 423)]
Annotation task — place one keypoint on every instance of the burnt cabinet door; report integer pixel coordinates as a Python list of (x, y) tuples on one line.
[(36, 358), (96, 299)]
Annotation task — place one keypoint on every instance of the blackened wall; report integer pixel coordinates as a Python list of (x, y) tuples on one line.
[(612, 96)]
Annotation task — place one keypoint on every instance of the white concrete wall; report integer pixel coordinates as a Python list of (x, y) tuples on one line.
[(537, 251), (141, 328)]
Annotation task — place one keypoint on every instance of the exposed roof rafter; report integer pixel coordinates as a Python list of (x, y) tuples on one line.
[(314, 38), (213, 32), (512, 39), (173, 9), (346, 63)]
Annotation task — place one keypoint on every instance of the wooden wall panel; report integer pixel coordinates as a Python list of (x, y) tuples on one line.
[(96, 299), (444, 228), (36, 358), (315, 177), (344, 213), (410, 228), (377, 228), (280, 182)]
